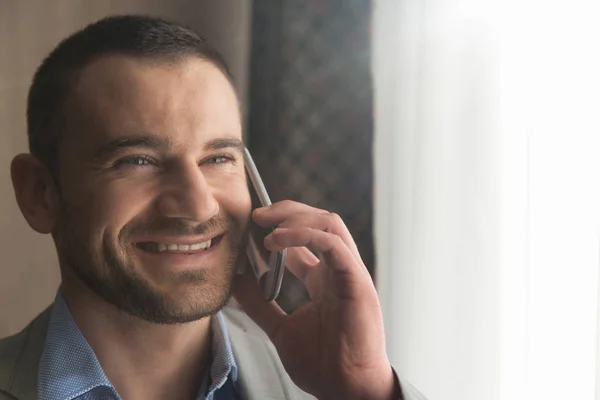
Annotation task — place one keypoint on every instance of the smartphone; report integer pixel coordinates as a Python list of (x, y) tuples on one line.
[(268, 267)]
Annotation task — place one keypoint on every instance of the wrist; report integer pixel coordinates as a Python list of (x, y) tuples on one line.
[(383, 386)]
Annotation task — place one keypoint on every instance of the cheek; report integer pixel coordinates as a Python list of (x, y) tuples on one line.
[(234, 198), (119, 204), (108, 206)]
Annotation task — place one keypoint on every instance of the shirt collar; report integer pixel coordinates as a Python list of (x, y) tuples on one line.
[(69, 368), (223, 364)]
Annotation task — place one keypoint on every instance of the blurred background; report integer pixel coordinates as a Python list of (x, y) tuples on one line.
[(458, 139)]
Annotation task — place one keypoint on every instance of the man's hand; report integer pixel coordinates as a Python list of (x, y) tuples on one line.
[(333, 347)]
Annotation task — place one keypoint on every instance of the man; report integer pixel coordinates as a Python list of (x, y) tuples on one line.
[(136, 170)]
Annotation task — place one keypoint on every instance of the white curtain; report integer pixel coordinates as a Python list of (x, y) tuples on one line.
[(487, 203)]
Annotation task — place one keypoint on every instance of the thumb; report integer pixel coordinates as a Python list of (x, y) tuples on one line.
[(267, 314)]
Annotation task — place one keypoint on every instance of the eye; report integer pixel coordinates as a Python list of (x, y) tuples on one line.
[(136, 161), (219, 159)]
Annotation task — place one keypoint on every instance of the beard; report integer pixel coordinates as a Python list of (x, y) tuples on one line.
[(112, 275)]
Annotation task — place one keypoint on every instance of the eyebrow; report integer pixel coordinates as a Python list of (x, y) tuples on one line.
[(157, 143), (225, 143)]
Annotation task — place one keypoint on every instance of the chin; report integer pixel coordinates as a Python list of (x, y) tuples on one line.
[(191, 297)]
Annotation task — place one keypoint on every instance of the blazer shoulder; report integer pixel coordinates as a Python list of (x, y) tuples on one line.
[(18, 351), (10, 349), (6, 396)]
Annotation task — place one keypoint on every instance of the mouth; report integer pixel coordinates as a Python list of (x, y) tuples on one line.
[(179, 248)]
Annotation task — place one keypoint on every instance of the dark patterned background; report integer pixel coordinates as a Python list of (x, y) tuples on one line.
[(310, 124)]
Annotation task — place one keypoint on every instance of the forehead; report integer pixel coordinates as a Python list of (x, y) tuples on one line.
[(188, 101)]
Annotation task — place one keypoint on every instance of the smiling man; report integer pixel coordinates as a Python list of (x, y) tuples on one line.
[(136, 170)]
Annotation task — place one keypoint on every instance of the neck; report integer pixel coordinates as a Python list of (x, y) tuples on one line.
[(142, 360)]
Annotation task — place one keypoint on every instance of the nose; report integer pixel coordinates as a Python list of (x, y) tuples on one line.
[(186, 194)]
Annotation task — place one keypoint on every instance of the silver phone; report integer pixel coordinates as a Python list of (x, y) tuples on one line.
[(268, 267)]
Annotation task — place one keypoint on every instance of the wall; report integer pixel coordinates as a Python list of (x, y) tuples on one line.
[(29, 29)]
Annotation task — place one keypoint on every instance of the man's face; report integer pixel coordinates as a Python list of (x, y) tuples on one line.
[(151, 173)]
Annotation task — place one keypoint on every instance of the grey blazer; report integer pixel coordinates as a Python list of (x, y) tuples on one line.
[(261, 374)]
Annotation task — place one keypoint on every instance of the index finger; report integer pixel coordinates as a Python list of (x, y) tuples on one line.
[(300, 261), (277, 212), (290, 213)]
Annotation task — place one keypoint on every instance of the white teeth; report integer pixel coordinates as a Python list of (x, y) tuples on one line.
[(183, 247)]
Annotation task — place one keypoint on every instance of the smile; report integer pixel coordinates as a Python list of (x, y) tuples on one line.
[(161, 247)]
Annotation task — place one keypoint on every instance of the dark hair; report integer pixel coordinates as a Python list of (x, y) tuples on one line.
[(134, 35)]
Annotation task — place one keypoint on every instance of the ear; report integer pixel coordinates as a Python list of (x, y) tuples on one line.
[(35, 191)]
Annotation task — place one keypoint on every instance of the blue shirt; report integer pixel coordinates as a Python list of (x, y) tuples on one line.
[(69, 368)]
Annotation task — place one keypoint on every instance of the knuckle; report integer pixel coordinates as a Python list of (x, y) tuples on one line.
[(286, 202), (307, 230), (277, 232), (335, 240), (336, 219)]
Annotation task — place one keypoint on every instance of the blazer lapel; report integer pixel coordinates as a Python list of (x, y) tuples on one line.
[(258, 376)]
